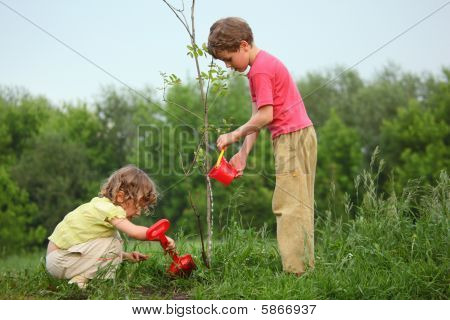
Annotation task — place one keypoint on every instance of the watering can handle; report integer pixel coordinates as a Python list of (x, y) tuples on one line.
[(164, 244), (220, 158)]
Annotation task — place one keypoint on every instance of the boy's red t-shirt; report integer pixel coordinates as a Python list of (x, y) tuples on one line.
[(271, 84)]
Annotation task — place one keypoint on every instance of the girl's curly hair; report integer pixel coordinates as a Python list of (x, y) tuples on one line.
[(134, 182)]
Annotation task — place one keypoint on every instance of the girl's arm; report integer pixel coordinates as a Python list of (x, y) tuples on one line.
[(134, 256), (135, 231), (132, 230)]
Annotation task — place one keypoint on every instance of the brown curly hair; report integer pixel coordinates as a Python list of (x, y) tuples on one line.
[(134, 182), (226, 35)]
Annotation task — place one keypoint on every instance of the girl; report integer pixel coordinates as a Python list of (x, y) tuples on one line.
[(86, 240)]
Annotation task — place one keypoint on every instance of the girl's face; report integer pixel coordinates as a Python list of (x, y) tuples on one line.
[(134, 210), (129, 205), (131, 209)]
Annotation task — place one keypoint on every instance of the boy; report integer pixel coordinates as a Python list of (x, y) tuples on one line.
[(276, 103)]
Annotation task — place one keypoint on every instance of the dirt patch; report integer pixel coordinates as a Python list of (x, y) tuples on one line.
[(180, 296), (153, 293)]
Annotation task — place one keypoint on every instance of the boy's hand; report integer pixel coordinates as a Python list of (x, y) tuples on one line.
[(134, 256), (226, 139), (239, 161)]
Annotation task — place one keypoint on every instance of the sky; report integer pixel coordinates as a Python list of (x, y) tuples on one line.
[(134, 41)]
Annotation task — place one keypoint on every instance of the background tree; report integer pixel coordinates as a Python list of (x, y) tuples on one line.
[(57, 173), (416, 141), (60, 154), (339, 159), (17, 214)]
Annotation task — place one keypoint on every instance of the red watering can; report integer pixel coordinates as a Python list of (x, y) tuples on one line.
[(181, 266), (223, 171)]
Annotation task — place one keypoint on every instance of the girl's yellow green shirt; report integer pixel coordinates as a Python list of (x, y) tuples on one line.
[(87, 222)]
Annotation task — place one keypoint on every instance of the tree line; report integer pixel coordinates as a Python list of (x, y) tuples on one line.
[(55, 157)]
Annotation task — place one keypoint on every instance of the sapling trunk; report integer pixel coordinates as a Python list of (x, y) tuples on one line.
[(209, 206)]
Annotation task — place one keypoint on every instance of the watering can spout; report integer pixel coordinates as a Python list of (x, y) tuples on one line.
[(181, 266)]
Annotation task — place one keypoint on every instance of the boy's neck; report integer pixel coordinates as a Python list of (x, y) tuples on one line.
[(252, 54)]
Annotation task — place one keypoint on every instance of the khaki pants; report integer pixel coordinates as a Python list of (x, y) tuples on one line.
[(99, 256), (293, 197)]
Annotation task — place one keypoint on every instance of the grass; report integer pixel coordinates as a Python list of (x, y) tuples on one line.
[(388, 247)]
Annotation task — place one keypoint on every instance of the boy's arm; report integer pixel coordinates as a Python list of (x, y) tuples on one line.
[(250, 138), (262, 117)]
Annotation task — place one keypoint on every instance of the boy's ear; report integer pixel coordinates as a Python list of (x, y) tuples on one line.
[(120, 197), (245, 45)]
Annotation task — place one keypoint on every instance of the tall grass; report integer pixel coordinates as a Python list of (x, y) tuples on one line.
[(392, 246)]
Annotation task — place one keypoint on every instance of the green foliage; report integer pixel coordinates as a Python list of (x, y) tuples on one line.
[(60, 155), (379, 100), (115, 112), (170, 80), (17, 213), (21, 117), (339, 160), (195, 51), (334, 89), (57, 171), (416, 141), (362, 105), (380, 254)]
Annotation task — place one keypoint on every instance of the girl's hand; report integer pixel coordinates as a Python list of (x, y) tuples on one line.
[(134, 256), (239, 161), (171, 244)]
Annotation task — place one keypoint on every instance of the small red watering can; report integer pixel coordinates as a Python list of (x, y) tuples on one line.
[(223, 171), (181, 266)]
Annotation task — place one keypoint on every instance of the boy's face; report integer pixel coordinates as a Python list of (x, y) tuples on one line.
[(238, 60)]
